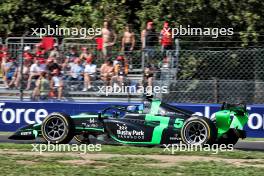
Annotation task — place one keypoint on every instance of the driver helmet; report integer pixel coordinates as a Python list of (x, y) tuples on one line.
[(132, 108)]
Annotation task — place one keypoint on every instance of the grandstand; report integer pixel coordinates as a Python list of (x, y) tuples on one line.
[(204, 72)]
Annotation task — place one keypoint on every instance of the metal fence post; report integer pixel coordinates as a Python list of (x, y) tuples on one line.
[(176, 58), (216, 99), (21, 68)]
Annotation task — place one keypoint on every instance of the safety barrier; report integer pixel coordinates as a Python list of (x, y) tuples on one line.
[(17, 114)]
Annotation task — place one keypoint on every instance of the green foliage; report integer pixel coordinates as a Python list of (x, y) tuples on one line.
[(189, 66), (245, 16)]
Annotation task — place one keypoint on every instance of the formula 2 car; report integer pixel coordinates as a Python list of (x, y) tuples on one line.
[(151, 123)]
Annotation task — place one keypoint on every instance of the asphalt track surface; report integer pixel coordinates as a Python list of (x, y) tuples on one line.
[(241, 145)]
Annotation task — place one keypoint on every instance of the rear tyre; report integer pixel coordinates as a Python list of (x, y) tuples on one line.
[(228, 138), (198, 131), (57, 128)]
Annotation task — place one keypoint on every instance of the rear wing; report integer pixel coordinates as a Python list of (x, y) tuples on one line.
[(239, 109)]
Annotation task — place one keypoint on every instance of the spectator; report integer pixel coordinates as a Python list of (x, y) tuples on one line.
[(106, 71), (166, 38), (3, 58), (120, 71), (27, 54), (1, 51), (54, 53), (148, 39), (148, 76), (40, 52), (56, 83), (72, 54), (128, 40), (128, 43), (35, 70), (42, 87), (10, 69), (51, 65), (164, 68), (65, 68), (165, 63), (25, 73), (109, 39), (89, 73), (84, 54), (76, 72)]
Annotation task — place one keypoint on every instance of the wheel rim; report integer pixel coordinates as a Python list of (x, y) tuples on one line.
[(196, 133), (55, 128)]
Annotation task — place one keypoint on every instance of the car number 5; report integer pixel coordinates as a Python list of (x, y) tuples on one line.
[(178, 123)]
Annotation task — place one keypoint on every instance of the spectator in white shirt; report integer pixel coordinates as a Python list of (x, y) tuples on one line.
[(56, 83), (89, 73), (76, 73), (35, 70)]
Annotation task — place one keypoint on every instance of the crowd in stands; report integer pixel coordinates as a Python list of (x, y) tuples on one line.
[(47, 71)]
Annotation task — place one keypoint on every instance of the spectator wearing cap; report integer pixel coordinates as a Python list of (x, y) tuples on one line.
[(39, 52), (89, 73), (120, 71), (107, 71), (54, 53), (35, 70), (149, 38), (10, 69), (56, 83), (76, 72), (166, 38), (120, 65), (27, 54)]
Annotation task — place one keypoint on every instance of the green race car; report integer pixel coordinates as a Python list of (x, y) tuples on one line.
[(151, 123)]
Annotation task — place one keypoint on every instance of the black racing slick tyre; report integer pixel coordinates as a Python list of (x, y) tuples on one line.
[(198, 131), (228, 138), (57, 128)]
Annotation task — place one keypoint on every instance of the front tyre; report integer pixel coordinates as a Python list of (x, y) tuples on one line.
[(198, 131), (57, 128)]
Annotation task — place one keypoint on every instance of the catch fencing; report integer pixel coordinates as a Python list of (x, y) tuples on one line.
[(205, 76), (16, 45), (195, 76)]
